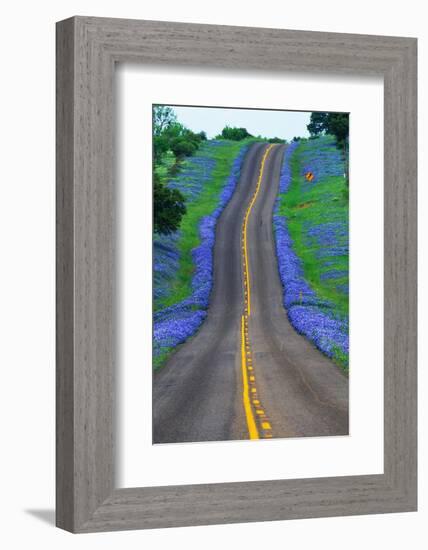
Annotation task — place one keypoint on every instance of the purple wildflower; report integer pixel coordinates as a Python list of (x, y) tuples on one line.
[(314, 318), (173, 325)]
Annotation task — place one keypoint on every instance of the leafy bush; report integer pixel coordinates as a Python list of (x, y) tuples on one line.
[(169, 208), (234, 134), (183, 261), (182, 147), (171, 135), (335, 124), (172, 142)]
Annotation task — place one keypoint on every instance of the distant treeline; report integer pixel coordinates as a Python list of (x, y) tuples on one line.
[(172, 142), (238, 134), (171, 135)]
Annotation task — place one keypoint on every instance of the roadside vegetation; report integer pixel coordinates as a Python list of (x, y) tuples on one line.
[(193, 180), (172, 142), (197, 177), (183, 261), (311, 227), (200, 181)]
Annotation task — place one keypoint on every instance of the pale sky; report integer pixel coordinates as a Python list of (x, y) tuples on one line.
[(282, 124)]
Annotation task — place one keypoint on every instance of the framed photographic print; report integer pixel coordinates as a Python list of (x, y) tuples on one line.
[(239, 267), (236, 263)]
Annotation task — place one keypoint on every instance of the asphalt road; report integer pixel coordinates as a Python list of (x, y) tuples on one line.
[(246, 373)]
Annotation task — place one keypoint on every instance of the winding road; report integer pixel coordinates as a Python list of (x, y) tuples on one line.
[(247, 374)]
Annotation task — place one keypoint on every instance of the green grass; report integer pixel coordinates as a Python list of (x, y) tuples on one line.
[(205, 203), (162, 169), (340, 358), (307, 206), (159, 360)]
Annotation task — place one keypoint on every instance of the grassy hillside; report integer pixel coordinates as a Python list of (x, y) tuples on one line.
[(183, 260), (311, 227)]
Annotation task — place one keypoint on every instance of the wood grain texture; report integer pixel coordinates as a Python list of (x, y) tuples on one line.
[(87, 49), (64, 277)]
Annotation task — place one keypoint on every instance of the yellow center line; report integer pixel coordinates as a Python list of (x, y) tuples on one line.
[(247, 215), (245, 340), (252, 428)]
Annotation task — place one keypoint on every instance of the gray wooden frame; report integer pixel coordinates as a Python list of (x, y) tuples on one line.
[(87, 50)]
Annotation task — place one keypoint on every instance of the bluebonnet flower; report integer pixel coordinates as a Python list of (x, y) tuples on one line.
[(191, 181), (174, 324), (311, 316), (165, 263), (323, 329), (322, 158), (285, 176), (333, 274)]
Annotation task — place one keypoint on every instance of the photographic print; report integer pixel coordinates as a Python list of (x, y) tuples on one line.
[(250, 274)]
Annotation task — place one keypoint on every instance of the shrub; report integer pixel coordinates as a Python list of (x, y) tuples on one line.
[(169, 208), (235, 134), (182, 147)]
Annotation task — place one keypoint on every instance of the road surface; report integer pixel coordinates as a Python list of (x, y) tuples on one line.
[(247, 374)]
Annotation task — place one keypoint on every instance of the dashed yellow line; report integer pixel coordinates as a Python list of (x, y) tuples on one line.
[(259, 422), (252, 428), (247, 289)]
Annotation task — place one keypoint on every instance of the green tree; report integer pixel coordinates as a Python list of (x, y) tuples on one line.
[(163, 118), (170, 139), (168, 208), (182, 147), (336, 124), (235, 134), (160, 147), (181, 141), (318, 123)]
